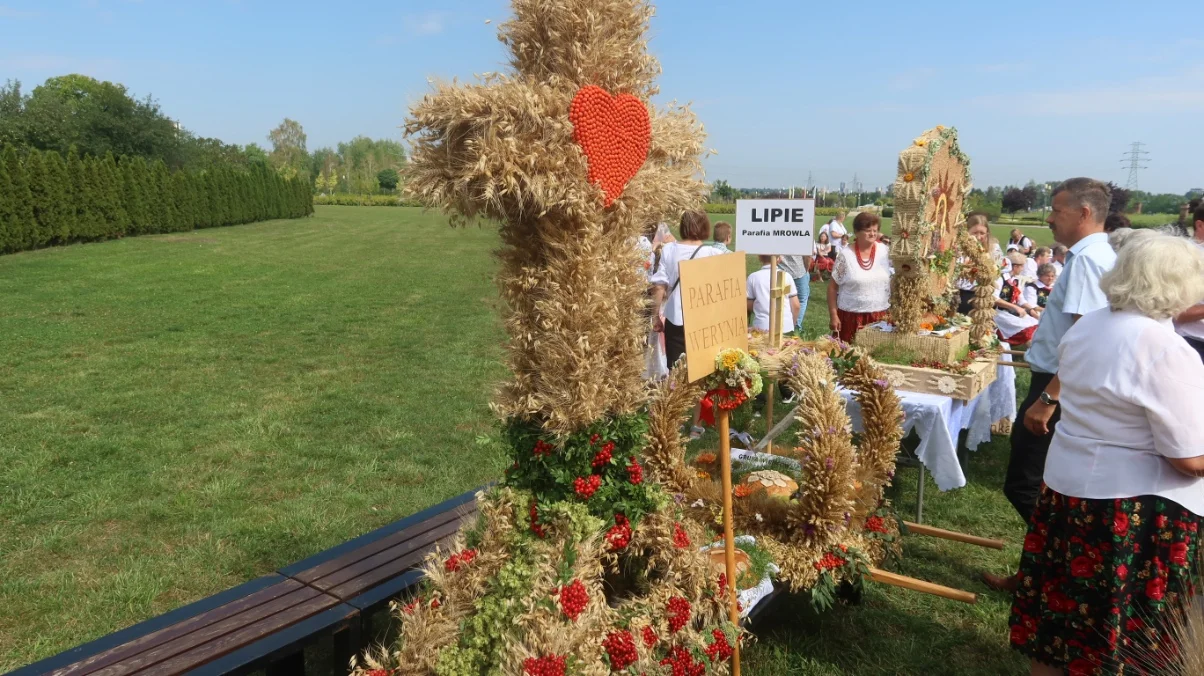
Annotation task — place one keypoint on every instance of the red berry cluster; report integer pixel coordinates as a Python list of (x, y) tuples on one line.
[(410, 607), (682, 663), (548, 665), (875, 524), (380, 672), (681, 539), (602, 457), (457, 561), (536, 527), (722, 585), (619, 535), (635, 472), (649, 637), (679, 613), (829, 561), (573, 599), (719, 650), (543, 448), (620, 648), (586, 488)]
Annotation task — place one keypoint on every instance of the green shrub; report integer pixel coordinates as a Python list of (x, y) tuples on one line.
[(46, 200), (344, 199)]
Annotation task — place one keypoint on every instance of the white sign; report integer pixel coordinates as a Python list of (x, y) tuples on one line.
[(776, 227)]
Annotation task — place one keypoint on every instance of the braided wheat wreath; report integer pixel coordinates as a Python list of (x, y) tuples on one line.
[(838, 521)]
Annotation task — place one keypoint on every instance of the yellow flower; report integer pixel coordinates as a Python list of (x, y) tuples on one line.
[(703, 475), (921, 142), (940, 127), (909, 177)]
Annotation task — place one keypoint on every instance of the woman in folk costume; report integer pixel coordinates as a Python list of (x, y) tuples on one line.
[(1036, 292), (1112, 555), (859, 292), (1016, 325)]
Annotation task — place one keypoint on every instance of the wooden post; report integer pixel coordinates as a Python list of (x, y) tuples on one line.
[(729, 538), (777, 292)]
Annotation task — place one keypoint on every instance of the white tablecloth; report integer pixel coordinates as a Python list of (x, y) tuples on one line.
[(938, 420)]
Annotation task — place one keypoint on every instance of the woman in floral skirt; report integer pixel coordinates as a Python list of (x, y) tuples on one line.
[(1112, 551)]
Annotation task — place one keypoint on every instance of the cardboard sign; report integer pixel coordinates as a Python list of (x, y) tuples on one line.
[(776, 227), (714, 306)]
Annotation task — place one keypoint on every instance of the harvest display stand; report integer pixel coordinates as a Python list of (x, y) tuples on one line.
[(929, 237)]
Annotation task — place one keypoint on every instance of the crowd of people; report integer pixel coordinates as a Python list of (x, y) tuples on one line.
[(1106, 464)]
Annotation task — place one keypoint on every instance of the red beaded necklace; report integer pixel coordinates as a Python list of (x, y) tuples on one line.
[(866, 265)]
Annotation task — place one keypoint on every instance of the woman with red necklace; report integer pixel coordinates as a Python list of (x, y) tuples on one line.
[(859, 292)]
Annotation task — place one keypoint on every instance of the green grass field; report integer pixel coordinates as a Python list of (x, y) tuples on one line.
[(186, 412)]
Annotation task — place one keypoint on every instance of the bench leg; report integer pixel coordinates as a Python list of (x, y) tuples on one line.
[(292, 664), (347, 644)]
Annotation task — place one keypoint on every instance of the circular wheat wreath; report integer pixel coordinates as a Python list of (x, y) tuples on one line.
[(842, 483)]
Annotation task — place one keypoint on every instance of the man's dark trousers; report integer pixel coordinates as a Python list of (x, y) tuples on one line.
[(1026, 467)]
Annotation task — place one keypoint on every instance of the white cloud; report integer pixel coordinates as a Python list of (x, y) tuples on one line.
[(431, 23), (13, 13), (911, 80), (1151, 94)]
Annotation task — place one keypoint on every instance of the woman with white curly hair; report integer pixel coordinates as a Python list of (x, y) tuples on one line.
[(1113, 546)]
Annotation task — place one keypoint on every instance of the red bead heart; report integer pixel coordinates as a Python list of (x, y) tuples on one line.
[(614, 132)]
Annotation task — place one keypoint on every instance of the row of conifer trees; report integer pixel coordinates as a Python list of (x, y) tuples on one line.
[(46, 199)]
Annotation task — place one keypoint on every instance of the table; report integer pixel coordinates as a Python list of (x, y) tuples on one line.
[(938, 421)]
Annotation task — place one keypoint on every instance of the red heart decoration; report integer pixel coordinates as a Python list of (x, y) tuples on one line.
[(614, 132)]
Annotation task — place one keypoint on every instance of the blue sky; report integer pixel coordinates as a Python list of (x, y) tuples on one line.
[(1037, 89)]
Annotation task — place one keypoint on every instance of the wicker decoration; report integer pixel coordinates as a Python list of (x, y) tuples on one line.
[(979, 268), (933, 179)]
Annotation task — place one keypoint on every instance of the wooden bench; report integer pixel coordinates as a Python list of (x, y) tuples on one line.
[(369, 571), (267, 623), (250, 623)]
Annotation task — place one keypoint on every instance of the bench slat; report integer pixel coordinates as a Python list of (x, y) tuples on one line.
[(363, 579), (281, 643), (212, 650), (369, 538), (185, 641), (412, 550), (148, 641), (402, 537), (102, 645)]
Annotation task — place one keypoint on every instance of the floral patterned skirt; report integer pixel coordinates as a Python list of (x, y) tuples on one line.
[(1101, 579)]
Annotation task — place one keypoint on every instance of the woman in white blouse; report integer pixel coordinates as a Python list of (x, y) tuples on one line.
[(1113, 546), (859, 292)]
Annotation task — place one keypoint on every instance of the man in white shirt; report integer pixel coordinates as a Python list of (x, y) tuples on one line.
[(1059, 257), (1190, 324), (759, 284), (1080, 206), (835, 228)]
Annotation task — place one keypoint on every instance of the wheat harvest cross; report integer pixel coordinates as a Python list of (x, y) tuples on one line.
[(572, 160)]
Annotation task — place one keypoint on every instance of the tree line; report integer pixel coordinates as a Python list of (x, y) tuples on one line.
[(47, 199), (99, 117)]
